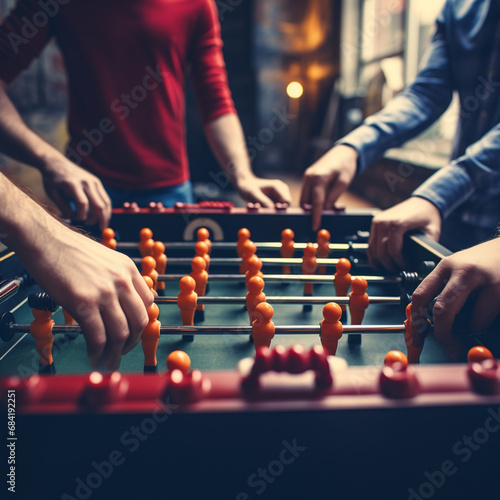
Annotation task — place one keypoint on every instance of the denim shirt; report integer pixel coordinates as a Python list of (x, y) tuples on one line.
[(464, 56)]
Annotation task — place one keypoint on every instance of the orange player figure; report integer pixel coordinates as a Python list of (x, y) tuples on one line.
[(108, 238), (199, 274), (68, 319), (323, 247), (146, 243), (309, 266), (148, 265), (331, 328), (287, 247), (254, 268), (358, 302), (243, 235), (249, 250), (187, 300), (262, 326), (395, 357), (255, 295), (150, 283), (150, 338), (41, 331), (413, 352), (178, 360), (202, 234), (478, 353), (201, 250), (342, 279), (161, 262)]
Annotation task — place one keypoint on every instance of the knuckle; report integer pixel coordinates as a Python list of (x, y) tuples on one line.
[(417, 296), (395, 225), (82, 203), (440, 307), (96, 344), (120, 335), (105, 297), (316, 178)]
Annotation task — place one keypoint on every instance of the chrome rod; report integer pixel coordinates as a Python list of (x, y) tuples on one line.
[(289, 278), (236, 330), (9, 289), (229, 245), (280, 300)]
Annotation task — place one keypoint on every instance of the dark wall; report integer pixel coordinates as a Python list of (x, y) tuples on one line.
[(237, 28), (268, 44)]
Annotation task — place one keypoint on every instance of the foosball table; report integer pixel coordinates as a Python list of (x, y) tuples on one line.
[(243, 421)]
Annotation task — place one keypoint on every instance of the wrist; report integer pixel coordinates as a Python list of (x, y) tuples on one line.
[(46, 158), (240, 172), (344, 155), (347, 150), (428, 204)]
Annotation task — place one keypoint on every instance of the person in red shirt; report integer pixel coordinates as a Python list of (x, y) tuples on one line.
[(126, 62)]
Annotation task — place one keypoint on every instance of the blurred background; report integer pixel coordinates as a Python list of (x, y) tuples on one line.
[(302, 75)]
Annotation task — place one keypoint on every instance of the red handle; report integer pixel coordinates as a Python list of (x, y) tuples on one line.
[(294, 360)]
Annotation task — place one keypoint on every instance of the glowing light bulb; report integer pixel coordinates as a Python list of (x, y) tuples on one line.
[(294, 90)]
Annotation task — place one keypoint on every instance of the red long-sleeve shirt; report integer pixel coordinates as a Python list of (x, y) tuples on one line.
[(126, 62)]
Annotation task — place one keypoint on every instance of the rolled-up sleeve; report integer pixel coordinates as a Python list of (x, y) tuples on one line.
[(411, 111), (23, 35), (209, 69)]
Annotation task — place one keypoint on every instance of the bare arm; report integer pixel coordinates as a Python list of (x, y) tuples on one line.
[(63, 180), (100, 288), (226, 139)]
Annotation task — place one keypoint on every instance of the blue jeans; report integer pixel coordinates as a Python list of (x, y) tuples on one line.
[(168, 196)]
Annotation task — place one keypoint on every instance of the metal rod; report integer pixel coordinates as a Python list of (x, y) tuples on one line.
[(280, 300), (236, 261), (9, 289), (230, 245), (237, 330), (289, 278)]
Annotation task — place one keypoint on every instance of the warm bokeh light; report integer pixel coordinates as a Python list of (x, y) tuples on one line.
[(294, 90)]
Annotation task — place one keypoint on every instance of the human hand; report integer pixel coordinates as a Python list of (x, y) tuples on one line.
[(389, 227), (325, 180), (267, 192), (456, 277), (65, 181), (101, 289)]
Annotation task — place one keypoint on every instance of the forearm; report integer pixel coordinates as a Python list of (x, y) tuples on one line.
[(476, 171), (406, 116), (227, 141), (18, 141), (411, 111), (25, 226)]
